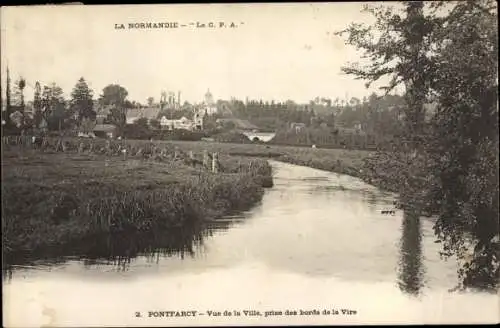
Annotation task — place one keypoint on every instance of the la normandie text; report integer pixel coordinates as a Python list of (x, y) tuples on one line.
[(172, 25)]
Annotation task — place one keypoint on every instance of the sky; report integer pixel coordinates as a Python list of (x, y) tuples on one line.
[(280, 52)]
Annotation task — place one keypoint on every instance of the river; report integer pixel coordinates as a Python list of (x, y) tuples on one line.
[(317, 242)]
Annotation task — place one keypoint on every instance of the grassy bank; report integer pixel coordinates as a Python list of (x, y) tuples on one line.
[(52, 198), (350, 162)]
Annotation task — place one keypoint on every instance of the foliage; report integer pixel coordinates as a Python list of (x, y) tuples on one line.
[(151, 101), (21, 84), (155, 124), (81, 100), (445, 166), (41, 208), (54, 108), (138, 130), (8, 109), (464, 146), (114, 96), (37, 105), (231, 136)]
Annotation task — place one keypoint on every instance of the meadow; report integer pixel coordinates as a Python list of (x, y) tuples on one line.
[(52, 197)]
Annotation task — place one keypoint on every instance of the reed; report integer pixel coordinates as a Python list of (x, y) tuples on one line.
[(56, 198)]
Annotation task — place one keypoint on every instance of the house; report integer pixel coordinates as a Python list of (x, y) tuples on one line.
[(358, 126), (105, 130), (297, 126), (350, 131), (182, 123), (102, 112)]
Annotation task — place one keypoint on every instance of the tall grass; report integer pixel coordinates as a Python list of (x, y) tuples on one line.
[(50, 199)]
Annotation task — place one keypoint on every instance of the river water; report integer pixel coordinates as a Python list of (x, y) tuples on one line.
[(317, 242)]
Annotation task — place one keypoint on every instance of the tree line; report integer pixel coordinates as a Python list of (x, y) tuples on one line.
[(50, 111)]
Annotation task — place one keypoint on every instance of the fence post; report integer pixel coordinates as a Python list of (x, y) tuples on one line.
[(206, 158), (108, 147), (215, 163), (191, 157)]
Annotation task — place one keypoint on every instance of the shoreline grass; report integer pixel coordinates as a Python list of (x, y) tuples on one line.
[(56, 198)]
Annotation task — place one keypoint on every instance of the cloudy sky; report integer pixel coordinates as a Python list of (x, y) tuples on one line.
[(281, 51)]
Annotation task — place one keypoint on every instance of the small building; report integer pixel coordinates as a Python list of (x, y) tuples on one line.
[(297, 126), (105, 130), (182, 123), (358, 126)]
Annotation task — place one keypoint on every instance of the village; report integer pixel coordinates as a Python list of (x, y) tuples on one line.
[(339, 123)]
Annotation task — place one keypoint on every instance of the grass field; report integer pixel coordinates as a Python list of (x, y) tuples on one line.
[(343, 161), (54, 198)]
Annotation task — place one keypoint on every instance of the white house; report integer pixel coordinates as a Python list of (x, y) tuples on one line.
[(182, 123)]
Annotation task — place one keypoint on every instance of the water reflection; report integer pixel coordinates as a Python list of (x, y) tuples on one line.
[(410, 279), (119, 250)]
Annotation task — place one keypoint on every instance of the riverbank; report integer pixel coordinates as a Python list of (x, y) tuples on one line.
[(54, 198), (360, 164)]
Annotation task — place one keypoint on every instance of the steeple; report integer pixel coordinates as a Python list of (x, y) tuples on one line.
[(209, 100)]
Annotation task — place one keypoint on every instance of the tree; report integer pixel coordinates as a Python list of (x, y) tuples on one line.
[(142, 122), (150, 101), (8, 108), (115, 96), (21, 84), (37, 105), (453, 169), (465, 157), (155, 124), (400, 52), (81, 101), (54, 107), (87, 125)]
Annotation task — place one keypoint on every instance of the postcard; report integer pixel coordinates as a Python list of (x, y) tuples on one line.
[(250, 164)]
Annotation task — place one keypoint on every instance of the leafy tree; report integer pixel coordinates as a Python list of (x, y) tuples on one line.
[(87, 125), (464, 143), (155, 124), (150, 101), (8, 109), (81, 100), (54, 107), (115, 96), (37, 105), (21, 84), (142, 122), (453, 169)]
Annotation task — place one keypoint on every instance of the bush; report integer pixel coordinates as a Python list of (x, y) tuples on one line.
[(231, 137)]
